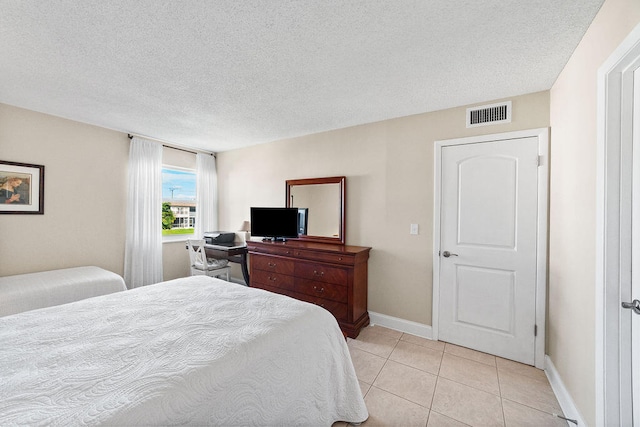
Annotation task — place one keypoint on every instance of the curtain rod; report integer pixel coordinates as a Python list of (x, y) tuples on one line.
[(165, 144)]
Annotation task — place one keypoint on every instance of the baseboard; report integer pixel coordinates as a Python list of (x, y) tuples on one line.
[(562, 394), (402, 325)]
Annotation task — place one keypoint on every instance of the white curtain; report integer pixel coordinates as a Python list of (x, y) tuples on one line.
[(207, 194), (143, 249)]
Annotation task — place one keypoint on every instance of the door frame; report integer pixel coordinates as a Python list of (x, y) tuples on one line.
[(613, 226), (541, 252)]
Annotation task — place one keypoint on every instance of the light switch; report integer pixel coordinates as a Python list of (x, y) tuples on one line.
[(413, 229)]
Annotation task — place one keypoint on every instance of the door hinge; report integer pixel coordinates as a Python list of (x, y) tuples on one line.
[(535, 330), (538, 160)]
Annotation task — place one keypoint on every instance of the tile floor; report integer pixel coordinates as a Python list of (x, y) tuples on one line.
[(412, 381)]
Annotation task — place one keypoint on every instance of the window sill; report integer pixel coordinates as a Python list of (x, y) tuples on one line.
[(177, 238)]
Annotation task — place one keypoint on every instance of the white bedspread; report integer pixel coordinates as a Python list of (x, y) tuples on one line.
[(24, 292), (196, 351)]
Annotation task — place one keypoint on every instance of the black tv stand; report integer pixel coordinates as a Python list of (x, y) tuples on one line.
[(274, 239)]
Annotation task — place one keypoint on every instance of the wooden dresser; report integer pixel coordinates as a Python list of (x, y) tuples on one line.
[(329, 275)]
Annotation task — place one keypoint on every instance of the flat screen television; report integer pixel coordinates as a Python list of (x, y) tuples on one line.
[(274, 223)]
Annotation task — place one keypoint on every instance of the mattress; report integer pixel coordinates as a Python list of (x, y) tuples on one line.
[(193, 351), (30, 291)]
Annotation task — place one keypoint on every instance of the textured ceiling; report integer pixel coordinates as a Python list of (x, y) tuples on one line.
[(219, 75)]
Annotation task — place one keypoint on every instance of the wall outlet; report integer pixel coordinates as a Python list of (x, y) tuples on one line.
[(413, 229)]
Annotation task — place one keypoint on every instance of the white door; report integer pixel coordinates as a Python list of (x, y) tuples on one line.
[(631, 297), (618, 236), (488, 247)]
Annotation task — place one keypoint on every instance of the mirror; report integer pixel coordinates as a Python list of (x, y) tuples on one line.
[(321, 208)]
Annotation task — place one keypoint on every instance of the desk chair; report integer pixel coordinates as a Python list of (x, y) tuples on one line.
[(201, 266)]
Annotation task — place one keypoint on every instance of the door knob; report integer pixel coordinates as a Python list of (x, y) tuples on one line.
[(447, 254), (634, 305)]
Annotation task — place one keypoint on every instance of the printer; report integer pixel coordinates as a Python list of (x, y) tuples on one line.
[(217, 237)]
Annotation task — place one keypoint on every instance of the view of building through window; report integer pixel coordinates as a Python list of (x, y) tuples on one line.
[(178, 201)]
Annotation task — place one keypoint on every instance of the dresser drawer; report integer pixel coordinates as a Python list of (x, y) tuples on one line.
[(338, 309), (271, 279), (325, 257), (273, 264), (281, 251), (320, 289), (272, 250), (321, 273)]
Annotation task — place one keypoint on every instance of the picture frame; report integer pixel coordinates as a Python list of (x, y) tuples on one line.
[(21, 188)]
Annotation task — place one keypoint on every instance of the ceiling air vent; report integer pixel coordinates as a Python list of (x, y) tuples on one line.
[(489, 114)]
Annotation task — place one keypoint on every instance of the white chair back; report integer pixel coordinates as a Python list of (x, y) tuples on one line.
[(197, 257), (200, 265)]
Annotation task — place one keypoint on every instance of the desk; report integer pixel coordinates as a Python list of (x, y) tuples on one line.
[(234, 252)]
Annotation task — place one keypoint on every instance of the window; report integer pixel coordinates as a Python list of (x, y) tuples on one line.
[(178, 201)]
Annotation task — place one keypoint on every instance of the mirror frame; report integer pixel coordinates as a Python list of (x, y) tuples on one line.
[(343, 190)]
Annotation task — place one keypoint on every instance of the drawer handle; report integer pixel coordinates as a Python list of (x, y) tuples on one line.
[(340, 258), (273, 279), (321, 290), (318, 273), (271, 265)]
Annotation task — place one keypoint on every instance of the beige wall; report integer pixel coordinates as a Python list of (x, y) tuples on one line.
[(571, 337), (389, 170), (85, 189), (85, 196)]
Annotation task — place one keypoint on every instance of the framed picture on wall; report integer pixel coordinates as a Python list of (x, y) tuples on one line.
[(21, 188)]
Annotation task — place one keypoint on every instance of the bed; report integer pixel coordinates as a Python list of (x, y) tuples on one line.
[(193, 351), (24, 292)]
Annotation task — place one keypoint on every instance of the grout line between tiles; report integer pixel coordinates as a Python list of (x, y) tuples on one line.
[(504, 417), (386, 360), (379, 372), (413, 367), (531, 407), (470, 386), (418, 369), (451, 418), (402, 397), (433, 396), (495, 358)]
